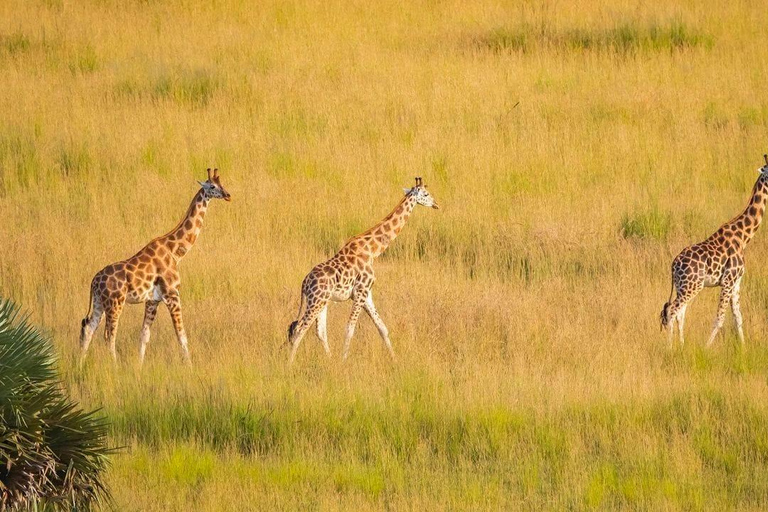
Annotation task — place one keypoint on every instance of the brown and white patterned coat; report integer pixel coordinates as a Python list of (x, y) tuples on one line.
[(150, 276), (349, 275), (717, 261)]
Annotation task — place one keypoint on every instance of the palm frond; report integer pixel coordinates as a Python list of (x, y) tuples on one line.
[(53, 455)]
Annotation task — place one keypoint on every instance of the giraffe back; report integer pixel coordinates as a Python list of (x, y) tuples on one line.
[(336, 278), (141, 278)]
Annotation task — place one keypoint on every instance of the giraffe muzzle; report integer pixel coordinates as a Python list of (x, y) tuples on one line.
[(434, 205)]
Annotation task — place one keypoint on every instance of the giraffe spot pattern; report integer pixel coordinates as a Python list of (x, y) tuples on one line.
[(149, 276), (349, 275), (717, 261)]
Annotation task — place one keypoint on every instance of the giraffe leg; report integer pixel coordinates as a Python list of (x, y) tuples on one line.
[(725, 297), (322, 329), (358, 299), (88, 328), (736, 309), (681, 324), (112, 312), (173, 301), (671, 331), (685, 293), (383, 331), (673, 315), (150, 311), (314, 307)]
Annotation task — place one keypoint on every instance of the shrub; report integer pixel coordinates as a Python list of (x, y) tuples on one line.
[(52, 453)]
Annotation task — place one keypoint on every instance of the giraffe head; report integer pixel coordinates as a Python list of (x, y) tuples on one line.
[(422, 195), (763, 171), (213, 187)]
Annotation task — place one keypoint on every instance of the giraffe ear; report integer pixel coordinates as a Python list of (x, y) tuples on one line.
[(204, 184), (407, 190)]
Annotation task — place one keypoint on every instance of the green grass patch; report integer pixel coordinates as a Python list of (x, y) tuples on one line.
[(188, 466), (649, 225), (20, 162), (188, 87), (194, 87), (593, 450), (84, 60), (479, 251), (15, 44), (74, 159), (624, 38)]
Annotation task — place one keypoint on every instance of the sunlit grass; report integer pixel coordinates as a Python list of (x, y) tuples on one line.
[(574, 148)]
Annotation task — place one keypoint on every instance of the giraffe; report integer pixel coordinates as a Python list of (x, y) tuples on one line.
[(717, 261), (349, 275), (150, 276)]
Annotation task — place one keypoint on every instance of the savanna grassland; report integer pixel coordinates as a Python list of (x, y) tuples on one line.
[(574, 148)]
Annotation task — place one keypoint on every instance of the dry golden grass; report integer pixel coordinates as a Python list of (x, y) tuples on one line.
[(531, 370)]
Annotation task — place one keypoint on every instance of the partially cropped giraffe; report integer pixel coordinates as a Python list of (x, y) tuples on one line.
[(717, 261), (150, 276), (349, 275)]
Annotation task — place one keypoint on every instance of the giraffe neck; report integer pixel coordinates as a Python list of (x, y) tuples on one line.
[(745, 225), (387, 230), (181, 239)]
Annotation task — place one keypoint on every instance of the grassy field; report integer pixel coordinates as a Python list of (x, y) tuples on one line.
[(574, 148)]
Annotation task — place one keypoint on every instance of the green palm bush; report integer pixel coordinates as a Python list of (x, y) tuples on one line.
[(52, 453)]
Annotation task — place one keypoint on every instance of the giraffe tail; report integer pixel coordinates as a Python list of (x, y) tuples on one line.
[(292, 329), (664, 316), (90, 308), (295, 323)]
